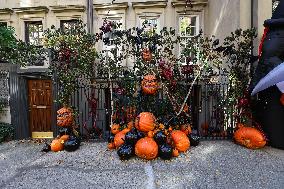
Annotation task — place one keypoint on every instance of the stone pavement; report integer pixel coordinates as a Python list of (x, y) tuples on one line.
[(213, 164)]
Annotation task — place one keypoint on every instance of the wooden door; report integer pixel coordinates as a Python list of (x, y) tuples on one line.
[(40, 105)]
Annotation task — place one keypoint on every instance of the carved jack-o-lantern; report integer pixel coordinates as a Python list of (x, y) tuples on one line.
[(65, 117), (146, 55), (149, 84)]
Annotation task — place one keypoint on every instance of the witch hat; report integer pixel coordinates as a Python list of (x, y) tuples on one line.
[(268, 71)]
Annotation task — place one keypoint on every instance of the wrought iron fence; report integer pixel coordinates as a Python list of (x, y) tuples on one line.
[(207, 109), (214, 120)]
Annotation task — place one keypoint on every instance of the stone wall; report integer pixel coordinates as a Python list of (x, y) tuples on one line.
[(217, 17)]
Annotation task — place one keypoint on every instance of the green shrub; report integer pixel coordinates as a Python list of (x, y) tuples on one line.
[(6, 132)]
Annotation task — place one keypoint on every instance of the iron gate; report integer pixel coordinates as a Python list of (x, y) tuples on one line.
[(208, 116)]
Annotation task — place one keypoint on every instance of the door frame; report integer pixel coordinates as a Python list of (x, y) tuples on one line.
[(18, 90)]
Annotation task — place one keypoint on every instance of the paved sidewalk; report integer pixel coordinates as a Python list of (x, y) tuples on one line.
[(213, 164)]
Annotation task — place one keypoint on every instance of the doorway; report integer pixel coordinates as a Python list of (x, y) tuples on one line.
[(40, 108)]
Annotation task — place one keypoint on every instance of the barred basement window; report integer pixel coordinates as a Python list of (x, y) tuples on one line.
[(68, 25), (34, 33)]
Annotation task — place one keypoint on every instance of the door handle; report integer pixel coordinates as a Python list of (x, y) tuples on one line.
[(41, 107)]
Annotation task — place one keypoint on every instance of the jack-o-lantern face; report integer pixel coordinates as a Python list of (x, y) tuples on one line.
[(146, 55), (65, 117), (149, 84)]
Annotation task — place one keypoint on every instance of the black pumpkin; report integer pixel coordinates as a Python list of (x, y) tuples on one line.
[(165, 151), (46, 148), (194, 139), (125, 151), (72, 144), (131, 137), (140, 134), (160, 137), (65, 131)]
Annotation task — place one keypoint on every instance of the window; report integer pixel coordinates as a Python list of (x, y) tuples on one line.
[(34, 36), (151, 23), (188, 28), (34, 32), (3, 24), (68, 24)]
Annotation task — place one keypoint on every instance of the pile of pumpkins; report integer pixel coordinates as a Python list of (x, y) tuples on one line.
[(149, 140), (68, 138)]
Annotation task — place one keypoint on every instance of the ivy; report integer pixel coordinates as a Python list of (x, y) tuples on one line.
[(16, 51), (73, 54), (6, 132)]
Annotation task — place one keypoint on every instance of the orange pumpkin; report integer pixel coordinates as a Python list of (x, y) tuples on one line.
[(186, 128), (175, 153), (126, 130), (111, 146), (57, 145), (65, 117), (185, 108), (145, 122), (115, 128), (64, 137), (149, 84), (151, 134), (130, 113), (249, 137), (146, 55), (161, 126), (130, 124), (146, 148), (205, 126), (239, 125), (119, 137), (180, 140)]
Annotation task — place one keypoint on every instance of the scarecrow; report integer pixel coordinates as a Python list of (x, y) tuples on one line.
[(268, 81)]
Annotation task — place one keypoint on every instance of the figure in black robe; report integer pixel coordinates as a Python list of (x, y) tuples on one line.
[(268, 80)]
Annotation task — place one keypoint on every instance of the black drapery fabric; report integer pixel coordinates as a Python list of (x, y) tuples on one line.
[(269, 113)]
